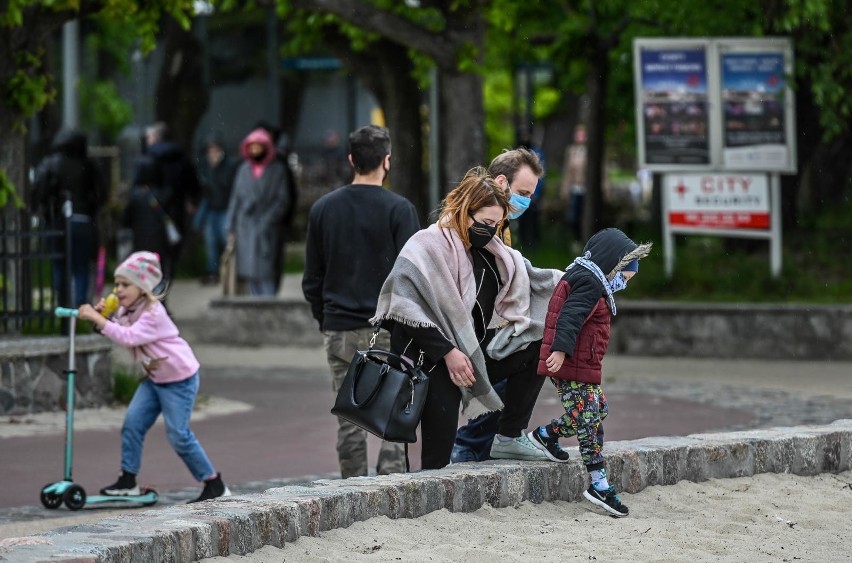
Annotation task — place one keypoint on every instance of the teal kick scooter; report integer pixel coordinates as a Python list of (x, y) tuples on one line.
[(72, 494)]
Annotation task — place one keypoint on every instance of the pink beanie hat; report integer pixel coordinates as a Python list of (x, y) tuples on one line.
[(142, 269)]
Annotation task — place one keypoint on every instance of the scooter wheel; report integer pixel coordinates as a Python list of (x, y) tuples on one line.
[(74, 497), (50, 500)]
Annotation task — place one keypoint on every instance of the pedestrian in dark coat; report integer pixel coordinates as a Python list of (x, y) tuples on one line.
[(68, 174), (181, 190), (216, 171), (142, 216), (259, 202)]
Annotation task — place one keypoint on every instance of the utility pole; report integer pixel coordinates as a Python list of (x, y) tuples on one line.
[(71, 74)]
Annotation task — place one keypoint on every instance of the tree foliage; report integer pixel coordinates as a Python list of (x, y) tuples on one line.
[(451, 36), (25, 87)]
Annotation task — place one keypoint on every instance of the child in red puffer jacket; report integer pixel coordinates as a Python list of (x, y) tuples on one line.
[(576, 336)]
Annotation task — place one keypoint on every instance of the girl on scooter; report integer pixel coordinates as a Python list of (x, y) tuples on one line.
[(170, 386)]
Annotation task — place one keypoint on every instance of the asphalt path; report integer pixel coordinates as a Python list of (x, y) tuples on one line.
[(289, 433)]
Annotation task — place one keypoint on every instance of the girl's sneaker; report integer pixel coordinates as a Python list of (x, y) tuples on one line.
[(213, 488), (125, 486), (607, 499), (549, 446)]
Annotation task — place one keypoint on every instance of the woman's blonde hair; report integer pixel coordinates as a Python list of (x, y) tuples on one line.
[(476, 190)]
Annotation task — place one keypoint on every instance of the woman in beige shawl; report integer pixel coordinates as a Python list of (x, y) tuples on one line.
[(472, 309)]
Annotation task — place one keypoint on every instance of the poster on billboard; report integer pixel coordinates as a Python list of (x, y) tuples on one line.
[(754, 120), (674, 105)]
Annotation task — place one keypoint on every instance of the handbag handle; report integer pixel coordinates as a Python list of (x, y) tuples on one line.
[(413, 377), (390, 354)]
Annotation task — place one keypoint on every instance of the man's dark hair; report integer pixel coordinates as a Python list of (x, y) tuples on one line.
[(508, 163), (369, 146)]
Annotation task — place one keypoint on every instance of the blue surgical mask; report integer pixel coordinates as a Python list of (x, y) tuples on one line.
[(618, 282), (520, 203)]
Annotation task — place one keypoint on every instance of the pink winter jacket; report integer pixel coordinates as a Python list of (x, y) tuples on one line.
[(154, 342)]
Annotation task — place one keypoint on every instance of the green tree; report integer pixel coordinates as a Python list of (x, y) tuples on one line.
[(26, 27), (388, 70), (450, 33), (590, 44)]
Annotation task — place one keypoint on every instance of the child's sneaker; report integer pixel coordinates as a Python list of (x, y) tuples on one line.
[(516, 448), (550, 446), (606, 499), (125, 486), (213, 488)]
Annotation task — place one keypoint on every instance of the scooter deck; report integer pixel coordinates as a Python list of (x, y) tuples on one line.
[(147, 499)]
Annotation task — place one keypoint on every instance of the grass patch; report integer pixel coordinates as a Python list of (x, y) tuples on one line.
[(124, 385)]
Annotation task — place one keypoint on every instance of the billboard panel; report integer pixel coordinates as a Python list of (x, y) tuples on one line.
[(715, 104)]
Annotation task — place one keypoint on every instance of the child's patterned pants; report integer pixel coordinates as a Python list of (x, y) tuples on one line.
[(585, 408)]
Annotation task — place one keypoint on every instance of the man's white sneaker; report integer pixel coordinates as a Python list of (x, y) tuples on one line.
[(516, 448)]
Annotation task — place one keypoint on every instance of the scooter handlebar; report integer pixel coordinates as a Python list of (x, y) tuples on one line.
[(65, 312)]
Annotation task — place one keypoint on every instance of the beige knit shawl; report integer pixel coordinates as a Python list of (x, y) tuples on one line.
[(432, 285)]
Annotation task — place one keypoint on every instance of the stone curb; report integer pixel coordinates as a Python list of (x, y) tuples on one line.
[(240, 525)]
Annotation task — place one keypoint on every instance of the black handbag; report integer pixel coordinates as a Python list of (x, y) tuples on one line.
[(383, 393)]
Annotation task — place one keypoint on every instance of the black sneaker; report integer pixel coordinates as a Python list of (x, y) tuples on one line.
[(125, 486), (549, 446), (607, 499), (213, 488)]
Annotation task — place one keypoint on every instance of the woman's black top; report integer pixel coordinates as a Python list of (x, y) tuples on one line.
[(409, 340)]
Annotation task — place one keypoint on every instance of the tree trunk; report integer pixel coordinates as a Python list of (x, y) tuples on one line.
[(13, 156), (596, 89), (292, 86), (462, 119), (401, 104), (182, 93), (386, 70)]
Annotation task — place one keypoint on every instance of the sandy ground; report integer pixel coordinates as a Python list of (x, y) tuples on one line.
[(768, 517)]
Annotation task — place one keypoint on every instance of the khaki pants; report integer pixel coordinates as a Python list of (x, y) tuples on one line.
[(340, 346)]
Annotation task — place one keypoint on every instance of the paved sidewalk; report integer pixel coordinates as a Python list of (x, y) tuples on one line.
[(287, 435)]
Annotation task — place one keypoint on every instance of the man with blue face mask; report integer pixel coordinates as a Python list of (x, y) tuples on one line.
[(518, 172)]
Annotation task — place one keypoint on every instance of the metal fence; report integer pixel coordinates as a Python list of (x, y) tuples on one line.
[(32, 256)]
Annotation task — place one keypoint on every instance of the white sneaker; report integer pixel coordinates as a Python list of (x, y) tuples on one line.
[(516, 448)]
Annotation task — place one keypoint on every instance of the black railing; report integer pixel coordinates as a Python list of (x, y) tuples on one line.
[(32, 252)]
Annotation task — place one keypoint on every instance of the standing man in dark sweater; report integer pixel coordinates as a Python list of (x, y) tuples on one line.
[(354, 236)]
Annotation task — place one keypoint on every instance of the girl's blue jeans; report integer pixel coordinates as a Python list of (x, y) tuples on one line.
[(175, 401)]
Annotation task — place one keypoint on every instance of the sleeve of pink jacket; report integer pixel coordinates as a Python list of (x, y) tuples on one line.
[(149, 328)]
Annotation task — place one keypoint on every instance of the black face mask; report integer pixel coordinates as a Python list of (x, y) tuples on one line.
[(480, 233)]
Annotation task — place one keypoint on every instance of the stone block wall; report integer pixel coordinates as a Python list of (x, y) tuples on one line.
[(643, 328), (33, 378), (255, 321), (727, 330)]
